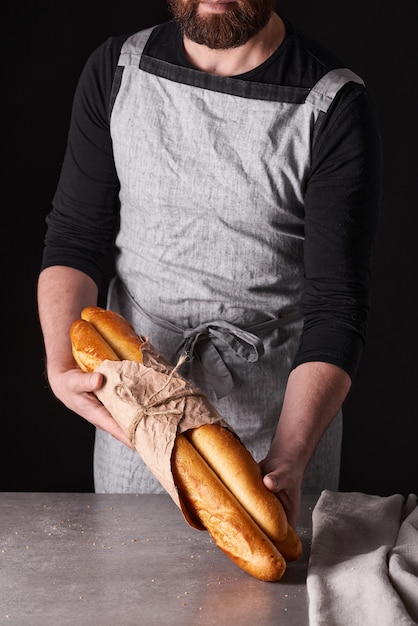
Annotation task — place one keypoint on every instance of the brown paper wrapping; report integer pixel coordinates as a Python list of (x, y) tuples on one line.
[(152, 403)]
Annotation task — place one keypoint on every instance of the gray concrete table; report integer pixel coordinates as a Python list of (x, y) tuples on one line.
[(107, 560)]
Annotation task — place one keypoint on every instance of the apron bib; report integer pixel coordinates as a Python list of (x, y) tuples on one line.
[(209, 255)]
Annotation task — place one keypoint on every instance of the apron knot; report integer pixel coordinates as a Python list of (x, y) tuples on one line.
[(199, 345)]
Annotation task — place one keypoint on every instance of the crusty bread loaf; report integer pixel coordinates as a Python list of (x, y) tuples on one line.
[(218, 481), (88, 346), (233, 530), (117, 331), (227, 456)]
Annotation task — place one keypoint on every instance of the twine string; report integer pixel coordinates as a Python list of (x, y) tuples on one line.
[(155, 400)]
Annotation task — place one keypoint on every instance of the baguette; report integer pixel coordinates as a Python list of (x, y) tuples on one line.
[(227, 456), (117, 331), (218, 481), (89, 348), (233, 530)]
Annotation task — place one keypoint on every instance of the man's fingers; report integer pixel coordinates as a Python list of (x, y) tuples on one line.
[(108, 424), (93, 410), (288, 499), (101, 418), (96, 380)]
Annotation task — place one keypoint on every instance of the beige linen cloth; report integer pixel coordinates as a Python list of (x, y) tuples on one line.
[(363, 565)]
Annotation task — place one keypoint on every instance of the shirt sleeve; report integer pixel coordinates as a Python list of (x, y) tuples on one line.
[(82, 222), (341, 218)]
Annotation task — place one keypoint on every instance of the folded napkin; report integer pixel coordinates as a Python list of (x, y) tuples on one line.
[(363, 564)]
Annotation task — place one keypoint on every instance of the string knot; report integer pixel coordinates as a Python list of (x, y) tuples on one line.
[(156, 399)]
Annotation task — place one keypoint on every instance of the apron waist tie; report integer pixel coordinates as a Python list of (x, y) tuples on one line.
[(198, 344)]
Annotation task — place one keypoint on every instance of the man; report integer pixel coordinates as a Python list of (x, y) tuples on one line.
[(237, 163)]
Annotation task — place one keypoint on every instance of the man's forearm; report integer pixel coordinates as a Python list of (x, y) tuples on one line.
[(314, 394), (62, 293)]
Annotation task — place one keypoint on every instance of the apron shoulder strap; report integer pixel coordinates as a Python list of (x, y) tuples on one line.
[(324, 91), (130, 54)]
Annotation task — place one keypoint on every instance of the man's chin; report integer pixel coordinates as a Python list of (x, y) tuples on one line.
[(220, 24)]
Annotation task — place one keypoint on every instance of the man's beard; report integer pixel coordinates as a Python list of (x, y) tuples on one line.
[(220, 31)]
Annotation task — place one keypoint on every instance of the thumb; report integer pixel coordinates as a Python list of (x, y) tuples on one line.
[(95, 380), (271, 483)]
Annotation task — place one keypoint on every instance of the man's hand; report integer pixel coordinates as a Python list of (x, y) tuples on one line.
[(63, 292), (314, 394), (76, 390), (285, 480)]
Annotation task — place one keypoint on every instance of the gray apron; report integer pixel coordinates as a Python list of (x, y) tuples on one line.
[(209, 254)]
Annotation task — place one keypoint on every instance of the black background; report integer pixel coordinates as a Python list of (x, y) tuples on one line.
[(45, 447)]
